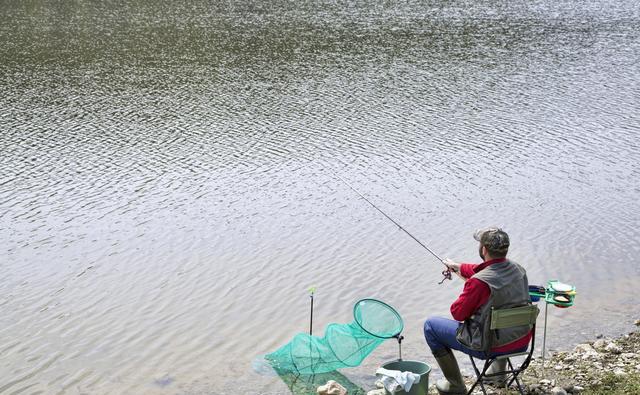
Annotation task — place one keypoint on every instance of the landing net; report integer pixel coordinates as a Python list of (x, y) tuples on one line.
[(343, 345)]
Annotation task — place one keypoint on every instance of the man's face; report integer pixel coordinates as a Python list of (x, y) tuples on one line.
[(480, 252)]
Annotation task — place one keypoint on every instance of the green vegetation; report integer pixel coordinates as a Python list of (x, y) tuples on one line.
[(612, 384)]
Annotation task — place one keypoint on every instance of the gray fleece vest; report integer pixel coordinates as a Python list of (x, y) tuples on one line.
[(509, 288)]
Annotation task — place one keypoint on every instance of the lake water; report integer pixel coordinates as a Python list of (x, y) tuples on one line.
[(166, 186)]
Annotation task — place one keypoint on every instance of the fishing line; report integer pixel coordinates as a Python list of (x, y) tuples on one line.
[(446, 273)]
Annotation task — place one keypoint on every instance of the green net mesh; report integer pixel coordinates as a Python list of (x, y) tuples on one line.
[(343, 345)]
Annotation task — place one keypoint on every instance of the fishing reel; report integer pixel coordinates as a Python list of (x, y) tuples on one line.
[(447, 276)]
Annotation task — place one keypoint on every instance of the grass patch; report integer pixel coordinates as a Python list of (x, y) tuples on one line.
[(612, 384)]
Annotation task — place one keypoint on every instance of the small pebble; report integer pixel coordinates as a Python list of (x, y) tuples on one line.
[(545, 382)]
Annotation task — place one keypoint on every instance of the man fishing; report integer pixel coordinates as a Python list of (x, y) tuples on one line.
[(496, 282)]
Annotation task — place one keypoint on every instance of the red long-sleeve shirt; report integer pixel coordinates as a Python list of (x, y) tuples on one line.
[(474, 295)]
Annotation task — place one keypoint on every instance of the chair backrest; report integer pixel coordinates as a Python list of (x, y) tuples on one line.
[(514, 316)]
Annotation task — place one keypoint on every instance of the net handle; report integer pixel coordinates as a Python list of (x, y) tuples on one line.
[(355, 307)]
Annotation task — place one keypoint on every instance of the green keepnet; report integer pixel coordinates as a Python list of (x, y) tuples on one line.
[(343, 345)]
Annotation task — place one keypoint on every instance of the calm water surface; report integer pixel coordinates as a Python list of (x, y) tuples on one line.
[(166, 195)]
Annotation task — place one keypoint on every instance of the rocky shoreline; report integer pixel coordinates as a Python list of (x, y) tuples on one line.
[(602, 366)]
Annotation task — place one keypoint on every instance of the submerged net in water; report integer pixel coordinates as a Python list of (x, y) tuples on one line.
[(343, 345)]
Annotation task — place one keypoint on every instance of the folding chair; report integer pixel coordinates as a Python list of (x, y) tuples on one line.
[(509, 318)]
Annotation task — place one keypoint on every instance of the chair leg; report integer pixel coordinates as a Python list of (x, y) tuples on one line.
[(515, 377), (512, 372), (520, 387), (475, 368), (484, 390), (479, 375)]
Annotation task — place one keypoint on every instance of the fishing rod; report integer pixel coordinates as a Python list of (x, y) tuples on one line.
[(445, 273)]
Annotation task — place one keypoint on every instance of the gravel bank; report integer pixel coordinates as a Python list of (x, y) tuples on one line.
[(601, 366)]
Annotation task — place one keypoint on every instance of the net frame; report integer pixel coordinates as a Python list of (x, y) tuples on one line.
[(390, 309)]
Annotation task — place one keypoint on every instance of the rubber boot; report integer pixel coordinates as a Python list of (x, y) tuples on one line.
[(453, 383), (499, 365)]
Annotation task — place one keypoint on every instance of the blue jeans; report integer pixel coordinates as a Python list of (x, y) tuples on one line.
[(440, 334)]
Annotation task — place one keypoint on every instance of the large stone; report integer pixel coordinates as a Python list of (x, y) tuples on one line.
[(600, 344), (586, 351), (613, 348), (332, 388), (619, 372), (558, 391), (594, 356), (577, 389), (583, 348)]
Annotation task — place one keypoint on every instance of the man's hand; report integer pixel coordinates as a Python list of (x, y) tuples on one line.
[(454, 267)]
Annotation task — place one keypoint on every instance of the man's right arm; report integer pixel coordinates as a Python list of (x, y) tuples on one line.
[(474, 294), (467, 270)]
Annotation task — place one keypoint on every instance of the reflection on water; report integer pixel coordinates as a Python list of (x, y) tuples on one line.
[(166, 199)]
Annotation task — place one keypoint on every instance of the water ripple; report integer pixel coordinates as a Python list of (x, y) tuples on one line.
[(166, 187)]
